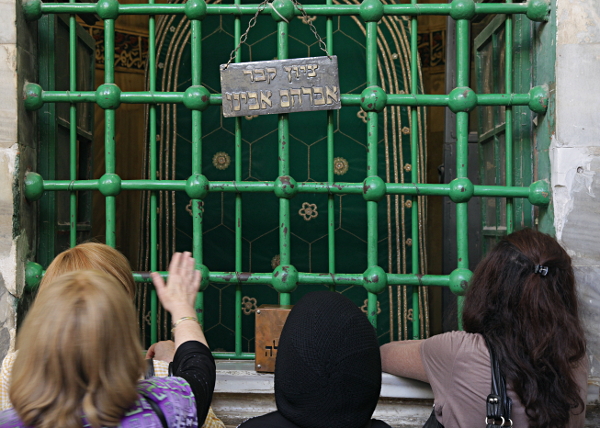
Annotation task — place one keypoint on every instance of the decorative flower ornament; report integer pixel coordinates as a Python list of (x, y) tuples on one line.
[(340, 166), (248, 305), (364, 307), (221, 160), (308, 211)]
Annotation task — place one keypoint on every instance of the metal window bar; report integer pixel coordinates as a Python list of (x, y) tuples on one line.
[(285, 277)]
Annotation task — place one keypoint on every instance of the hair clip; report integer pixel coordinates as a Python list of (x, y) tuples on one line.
[(542, 270)]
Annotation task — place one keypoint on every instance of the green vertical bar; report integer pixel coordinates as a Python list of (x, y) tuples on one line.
[(47, 155), (238, 201), (284, 167), (508, 136), (109, 127), (372, 160), (72, 128), (414, 174), (197, 210), (330, 166), (462, 141), (153, 172)]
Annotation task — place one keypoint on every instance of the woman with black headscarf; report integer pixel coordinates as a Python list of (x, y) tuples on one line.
[(328, 370)]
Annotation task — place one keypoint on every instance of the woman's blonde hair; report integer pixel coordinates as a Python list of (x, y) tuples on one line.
[(79, 354), (92, 256)]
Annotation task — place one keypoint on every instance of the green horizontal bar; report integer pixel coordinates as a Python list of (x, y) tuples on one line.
[(233, 356), (346, 99), (355, 279), (250, 9), (501, 191), (425, 189)]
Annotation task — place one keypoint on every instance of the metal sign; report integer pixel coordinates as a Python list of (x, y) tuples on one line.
[(280, 86)]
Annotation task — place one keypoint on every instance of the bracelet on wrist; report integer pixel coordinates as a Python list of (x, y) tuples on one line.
[(182, 319)]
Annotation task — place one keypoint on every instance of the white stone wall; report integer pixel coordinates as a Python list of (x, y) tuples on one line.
[(17, 154), (575, 156)]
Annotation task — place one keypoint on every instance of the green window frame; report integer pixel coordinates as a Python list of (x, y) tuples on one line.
[(285, 278)]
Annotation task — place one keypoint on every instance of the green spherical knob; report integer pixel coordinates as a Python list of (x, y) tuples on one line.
[(375, 279), (373, 188), (32, 9), (197, 186), (195, 9), (34, 186), (205, 273), (285, 278), (282, 9), (285, 187), (462, 9), (373, 98), (109, 184), (33, 276), (108, 96), (461, 190), (371, 10), (539, 193), (538, 10), (107, 9), (459, 281), (538, 99), (462, 99), (32, 94), (196, 97)]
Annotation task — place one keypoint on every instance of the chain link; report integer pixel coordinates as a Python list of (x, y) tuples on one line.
[(252, 23)]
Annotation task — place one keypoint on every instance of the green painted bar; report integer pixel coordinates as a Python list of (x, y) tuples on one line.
[(197, 207), (109, 129), (250, 9), (233, 355), (340, 279), (238, 203), (508, 137), (330, 160), (423, 189), (414, 172), (153, 173), (283, 135), (347, 99), (372, 160), (72, 129)]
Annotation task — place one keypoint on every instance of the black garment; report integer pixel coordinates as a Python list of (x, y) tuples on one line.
[(194, 363), (276, 420)]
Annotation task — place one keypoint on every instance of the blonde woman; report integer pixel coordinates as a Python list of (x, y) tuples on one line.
[(68, 375), (102, 257)]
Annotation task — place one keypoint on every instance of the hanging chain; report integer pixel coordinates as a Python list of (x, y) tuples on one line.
[(322, 44), (252, 23)]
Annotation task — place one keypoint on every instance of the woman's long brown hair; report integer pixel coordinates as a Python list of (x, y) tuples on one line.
[(532, 322)]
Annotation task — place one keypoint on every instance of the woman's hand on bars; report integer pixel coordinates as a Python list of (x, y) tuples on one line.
[(163, 351), (178, 296)]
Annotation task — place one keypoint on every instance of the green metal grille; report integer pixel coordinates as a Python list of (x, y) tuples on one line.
[(286, 278)]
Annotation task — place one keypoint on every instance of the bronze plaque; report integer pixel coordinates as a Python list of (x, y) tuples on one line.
[(280, 86), (269, 323)]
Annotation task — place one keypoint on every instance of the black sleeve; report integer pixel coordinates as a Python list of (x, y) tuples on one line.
[(194, 363)]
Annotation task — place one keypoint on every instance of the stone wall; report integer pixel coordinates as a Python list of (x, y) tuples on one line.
[(17, 155), (575, 157)]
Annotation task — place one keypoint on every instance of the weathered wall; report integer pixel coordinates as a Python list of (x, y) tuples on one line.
[(17, 154), (575, 156)]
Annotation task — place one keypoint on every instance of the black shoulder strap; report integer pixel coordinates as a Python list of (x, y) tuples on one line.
[(156, 409), (499, 405)]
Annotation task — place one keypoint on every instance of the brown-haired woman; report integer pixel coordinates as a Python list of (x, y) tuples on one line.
[(522, 299), (68, 375)]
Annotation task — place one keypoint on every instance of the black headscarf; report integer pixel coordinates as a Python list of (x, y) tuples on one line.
[(328, 369)]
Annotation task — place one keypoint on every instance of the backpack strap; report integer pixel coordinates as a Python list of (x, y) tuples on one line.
[(156, 409)]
